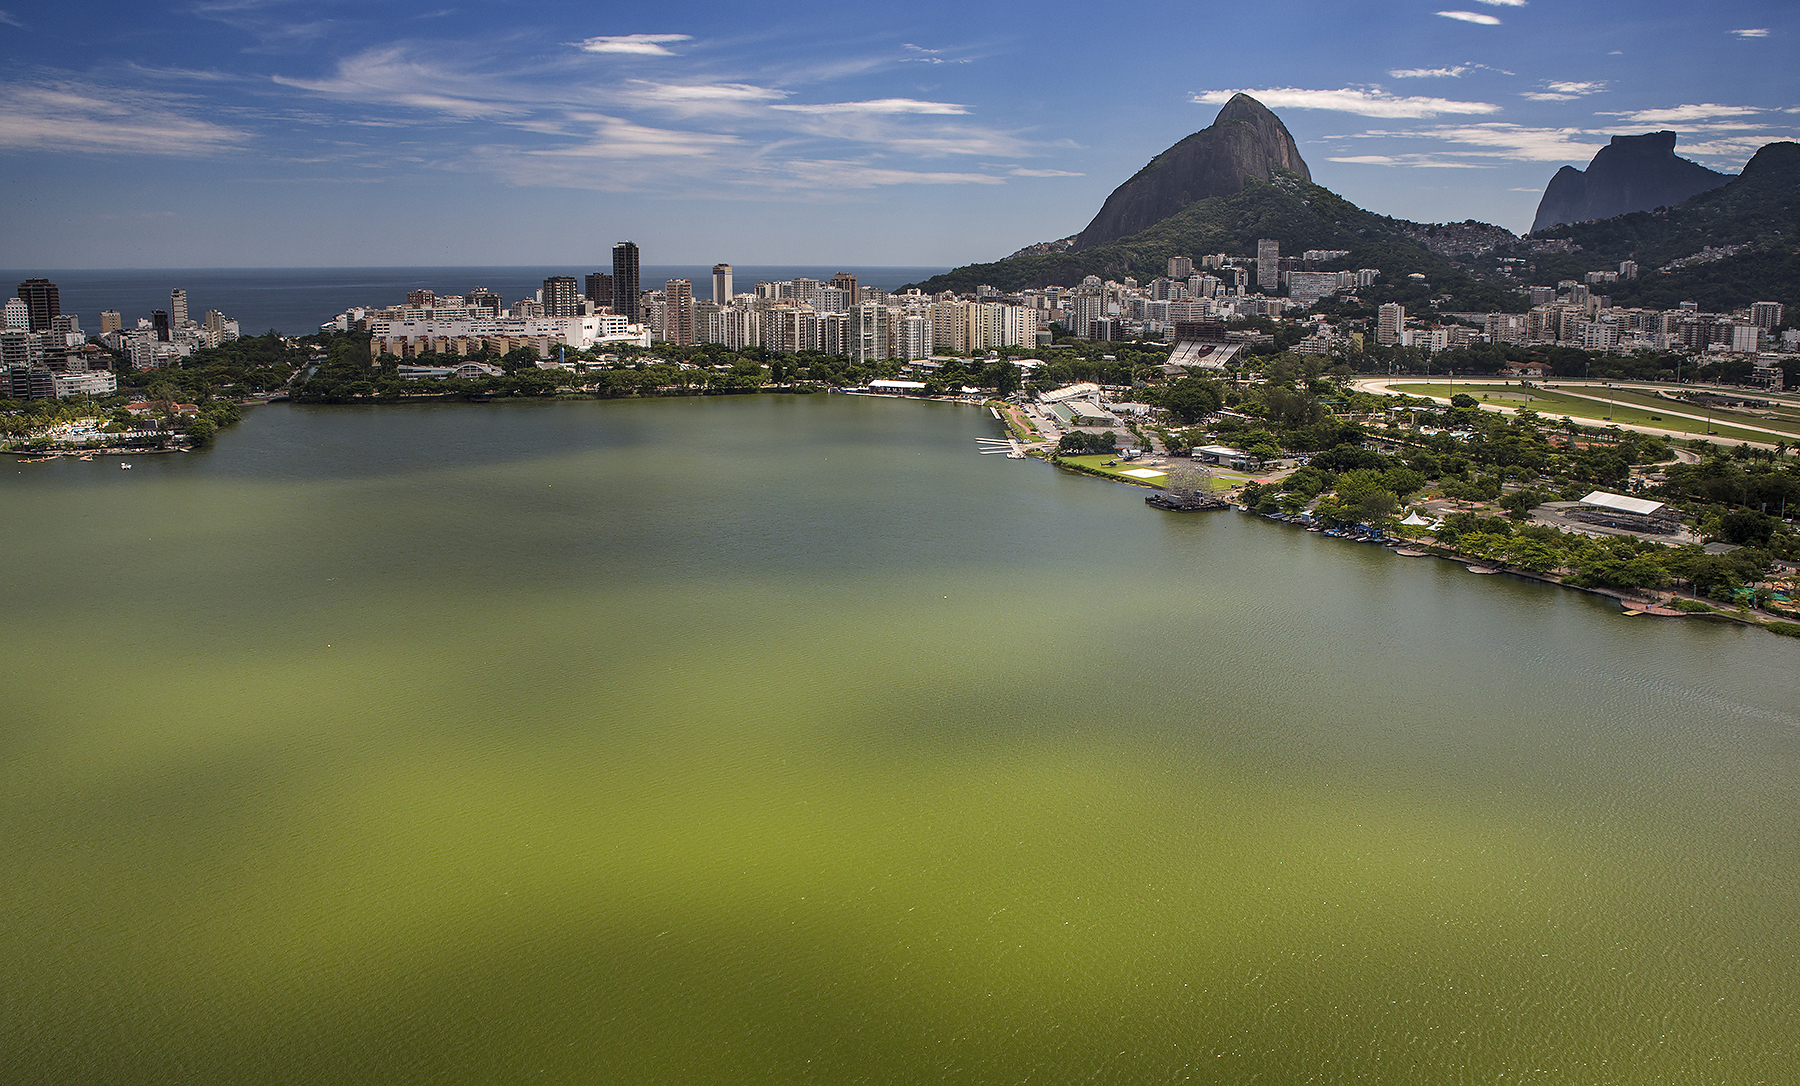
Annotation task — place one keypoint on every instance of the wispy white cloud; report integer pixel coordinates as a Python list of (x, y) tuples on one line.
[(10, 19), (1678, 114), (1760, 32), (977, 142), (1366, 102), (929, 56), (1471, 17), (1428, 73), (188, 75), (1502, 3), (83, 117), (1456, 71), (392, 76), (1516, 142), (1565, 91), (694, 99), (1741, 147), (879, 105), (1021, 172), (1486, 142), (616, 137), (1420, 161), (836, 174), (643, 45), (599, 134)]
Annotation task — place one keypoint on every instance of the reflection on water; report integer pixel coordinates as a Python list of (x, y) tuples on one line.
[(788, 740)]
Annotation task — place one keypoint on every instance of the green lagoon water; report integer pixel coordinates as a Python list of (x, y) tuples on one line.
[(787, 740)]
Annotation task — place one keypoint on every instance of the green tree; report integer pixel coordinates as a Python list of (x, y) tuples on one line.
[(1191, 399)]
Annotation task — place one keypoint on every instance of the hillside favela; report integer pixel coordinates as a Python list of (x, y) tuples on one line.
[(490, 604)]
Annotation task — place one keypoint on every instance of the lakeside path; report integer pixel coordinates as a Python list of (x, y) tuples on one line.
[(1392, 386)]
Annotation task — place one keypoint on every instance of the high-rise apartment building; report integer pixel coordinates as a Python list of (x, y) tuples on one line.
[(1180, 267), (422, 299), (1268, 264), (109, 321), (627, 298), (600, 289), (866, 332), (846, 282), (1766, 315), (721, 284), (559, 297), (678, 315), (159, 320), (18, 316), (1390, 324), (42, 301), (178, 307), (479, 298)]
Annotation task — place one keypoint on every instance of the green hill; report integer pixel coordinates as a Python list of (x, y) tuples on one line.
[(1296, 213)]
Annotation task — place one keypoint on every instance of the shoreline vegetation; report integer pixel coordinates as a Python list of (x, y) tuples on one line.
[(1451, 475)]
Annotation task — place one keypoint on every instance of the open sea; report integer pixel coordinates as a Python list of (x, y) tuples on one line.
[(295, 301)]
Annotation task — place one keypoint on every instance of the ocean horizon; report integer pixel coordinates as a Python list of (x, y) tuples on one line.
[(295, 301)]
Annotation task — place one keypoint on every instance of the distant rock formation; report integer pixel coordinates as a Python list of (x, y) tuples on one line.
[(1245, 140), (1633, 173)]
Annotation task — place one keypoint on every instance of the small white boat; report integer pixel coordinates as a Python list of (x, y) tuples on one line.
[(126, 467)]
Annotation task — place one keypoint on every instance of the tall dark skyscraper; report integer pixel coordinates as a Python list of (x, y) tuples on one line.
[(42, 299), (627, 297), (600, 289), (159, 320), (559, 296)]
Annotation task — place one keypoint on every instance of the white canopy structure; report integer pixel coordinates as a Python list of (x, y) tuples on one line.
[(1620, 503)]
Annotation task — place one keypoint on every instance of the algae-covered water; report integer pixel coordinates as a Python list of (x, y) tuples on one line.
[(787, 740)]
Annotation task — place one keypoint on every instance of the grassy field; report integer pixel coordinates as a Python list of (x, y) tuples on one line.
[(1786, 422), (1637, 409), (1176, 468)]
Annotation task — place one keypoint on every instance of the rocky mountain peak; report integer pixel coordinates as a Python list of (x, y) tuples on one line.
[(1244, 140), (1632, 173)]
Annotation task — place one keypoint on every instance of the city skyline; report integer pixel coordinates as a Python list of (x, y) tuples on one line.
[(262, 133)]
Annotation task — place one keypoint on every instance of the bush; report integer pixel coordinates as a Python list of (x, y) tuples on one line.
[(1785, 629)]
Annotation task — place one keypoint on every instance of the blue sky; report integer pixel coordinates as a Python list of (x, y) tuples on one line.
[(232, 133)]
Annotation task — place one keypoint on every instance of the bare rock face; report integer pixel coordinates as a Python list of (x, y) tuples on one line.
[(1633, 173), (1245, 140)]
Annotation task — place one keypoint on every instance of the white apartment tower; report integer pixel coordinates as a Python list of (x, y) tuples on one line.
[(1390, 323), (1268, 264)]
